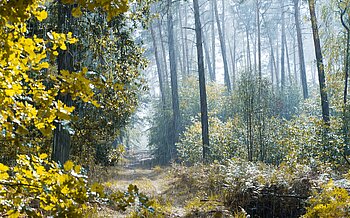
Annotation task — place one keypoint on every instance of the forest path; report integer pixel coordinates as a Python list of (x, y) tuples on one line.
[(156, 182)]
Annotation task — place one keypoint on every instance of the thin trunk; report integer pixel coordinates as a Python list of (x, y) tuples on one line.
[(295, 62), (159, 68), (223, 49), (186, 46), (283, 73), (273, 62), (288, 61), (182, 43), (271, 68), (320, 66), (277, 60), (346, 78), (347, 64), (259, 39), (233, 60), (249, 61), (207, 55), (213, 76), (61, 136), (173, 75), (300, 50), (203, 95), (165, 62)]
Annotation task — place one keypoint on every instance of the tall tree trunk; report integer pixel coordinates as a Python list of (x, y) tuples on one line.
[(223, 49), (288, 61), (207, 55), (173, 75), (202, 88), (273, 62), (283, 73), (259, 38), (320, 66), (182, 43), (186, 46), (233, 58), (159, 68), (213, 50), (165, 62), (61, 136), (346, 78), (249, 61), (300, 50), (295, 62)]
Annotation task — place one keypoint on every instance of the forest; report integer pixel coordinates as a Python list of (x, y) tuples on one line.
[(174, 108)]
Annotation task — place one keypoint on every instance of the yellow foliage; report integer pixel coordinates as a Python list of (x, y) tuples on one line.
[(41, 188), (331, 202), (26, 102)]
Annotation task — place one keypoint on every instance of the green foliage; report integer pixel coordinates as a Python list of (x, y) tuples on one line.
[(225, 141), (37, 187), (96, 128), (161, 133), (245, 187), (190, 100)]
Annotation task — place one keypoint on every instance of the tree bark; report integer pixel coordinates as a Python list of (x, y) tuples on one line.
[(183, 43), (283, 35), (249, 61), (159, 68), (173, 75), (223, 49), (207, 55), (346, 78), (288, 61), (259, 38), (202, 88), (61, 137), (300, 50), (320, 66), (213, 50), (165, 62)]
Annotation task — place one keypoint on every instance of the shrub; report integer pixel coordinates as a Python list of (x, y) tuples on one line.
[(37, 187), (331, 201)]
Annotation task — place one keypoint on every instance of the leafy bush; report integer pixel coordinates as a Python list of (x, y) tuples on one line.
[(259, 189), (331, 201), (225, 141), (37, 187)]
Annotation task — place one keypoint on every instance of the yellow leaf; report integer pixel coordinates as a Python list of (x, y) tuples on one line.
[(42, 15), (44, 65), (77, 168), (65, 190), (3, 167), (76, 12), (43, 156), (13, 214), (62, 178), (68, 165), (10, 92), (63, 46)]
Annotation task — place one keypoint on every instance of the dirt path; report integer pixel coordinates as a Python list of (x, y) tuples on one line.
[(157, 183)]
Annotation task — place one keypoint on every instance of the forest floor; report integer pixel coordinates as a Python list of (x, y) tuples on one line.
[(158, 183)]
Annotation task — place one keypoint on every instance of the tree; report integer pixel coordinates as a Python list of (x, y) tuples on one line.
[(159, 68), (61, 137), (202, 86), (223, 48), (300, 49), (320, 66), (173, 74)]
